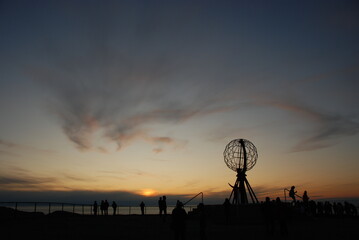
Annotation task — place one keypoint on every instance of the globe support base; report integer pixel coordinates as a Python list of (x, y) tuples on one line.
[(240, 189)]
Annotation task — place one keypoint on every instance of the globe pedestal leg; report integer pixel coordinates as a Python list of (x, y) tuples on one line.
[(239, 191)]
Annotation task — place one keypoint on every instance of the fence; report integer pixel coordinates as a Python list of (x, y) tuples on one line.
[(84, 209)]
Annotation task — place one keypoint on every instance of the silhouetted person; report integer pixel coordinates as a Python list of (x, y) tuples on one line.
[(305, 199), (235, 194), (95, 206), (106, 205), (164, 205), (340, 209), (142, 205), (312, 208), (164, 208), (102, 207), (299, 208), (354, 210), (292, 193), (320, 209), (268, 214), (227, 208), (160, 205), (350, 209), (202, 222), (178, 225), (114, 207), (328, 208), (335, 209), (282, 215)]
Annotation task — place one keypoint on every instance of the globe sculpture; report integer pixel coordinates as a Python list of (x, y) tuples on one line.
[(241, 155)]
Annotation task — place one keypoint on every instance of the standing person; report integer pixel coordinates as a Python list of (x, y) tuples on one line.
[(160, 205), (106, 205), (202, 222), (142, 205), (102, 207), (164, 205), (268, 214), (95, 206), (292, 193), (164, 208), (114, 206), (282, 217), (179, 217), (305, 198), (227, 206)]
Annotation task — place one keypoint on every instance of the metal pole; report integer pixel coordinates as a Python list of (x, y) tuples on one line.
[(129, 213), (35, 208), (73, 208), (49, 208), (16, 206), (249, 190), (83, 211), (62, 207)]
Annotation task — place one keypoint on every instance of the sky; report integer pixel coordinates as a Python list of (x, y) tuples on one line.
[(138, 99)]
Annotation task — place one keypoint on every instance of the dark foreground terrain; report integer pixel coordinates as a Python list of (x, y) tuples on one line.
[(64, 225)]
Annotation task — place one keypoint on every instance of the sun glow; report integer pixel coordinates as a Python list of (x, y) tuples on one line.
[(147, 192)]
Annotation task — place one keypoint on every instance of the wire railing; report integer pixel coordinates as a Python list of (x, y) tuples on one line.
[(83, 209), (201, 193)]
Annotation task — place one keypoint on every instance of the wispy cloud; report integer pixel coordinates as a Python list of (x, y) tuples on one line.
[(26, 182), (8, 153), (116, 87), (7, 144), (121, 106), (327, 128), (13, 149), (157, 150), (76, 178), (330, 74)]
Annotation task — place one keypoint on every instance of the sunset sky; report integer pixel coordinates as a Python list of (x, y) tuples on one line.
[(140, 98)]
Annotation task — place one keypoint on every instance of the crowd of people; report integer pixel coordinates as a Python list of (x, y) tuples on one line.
[(104, 205), (312, 208), (275, 212)]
